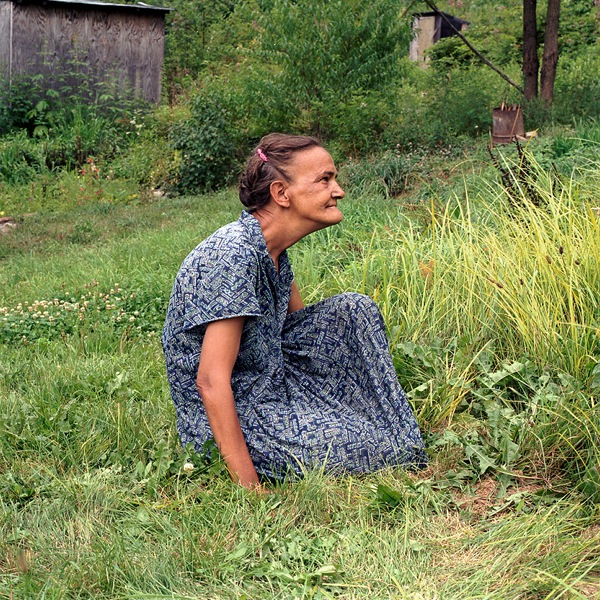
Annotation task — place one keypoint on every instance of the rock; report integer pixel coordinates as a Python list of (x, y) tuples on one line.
[(7, 224)]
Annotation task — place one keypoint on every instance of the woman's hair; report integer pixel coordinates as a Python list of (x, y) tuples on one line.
[(269, 162)]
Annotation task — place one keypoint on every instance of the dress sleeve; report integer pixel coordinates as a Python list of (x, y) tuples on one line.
[(222, 287)]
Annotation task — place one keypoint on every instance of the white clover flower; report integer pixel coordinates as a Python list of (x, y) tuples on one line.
[(188, 467)]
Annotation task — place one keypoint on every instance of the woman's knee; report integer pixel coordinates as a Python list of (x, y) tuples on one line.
[(353, 303)]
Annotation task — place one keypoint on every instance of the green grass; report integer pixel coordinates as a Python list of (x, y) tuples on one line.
[(503, 375)]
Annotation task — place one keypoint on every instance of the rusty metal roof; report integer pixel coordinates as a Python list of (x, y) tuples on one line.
[(139, 7)]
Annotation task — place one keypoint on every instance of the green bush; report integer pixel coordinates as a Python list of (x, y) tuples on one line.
[(450, 53), (462, 100), (207, 144), (17, 100), (147, 162), (149, 158), (389, 174), (189, 42), (577, 88), (569, 152), (21, 158), (362, 123)]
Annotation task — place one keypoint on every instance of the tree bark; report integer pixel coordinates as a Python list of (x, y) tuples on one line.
[(531, 63), (550, 56)]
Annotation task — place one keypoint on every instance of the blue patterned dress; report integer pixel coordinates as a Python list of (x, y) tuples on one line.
[(312, 388)]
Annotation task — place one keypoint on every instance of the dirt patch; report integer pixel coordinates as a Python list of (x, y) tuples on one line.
[(482, 500), (590, 590), (485, 498)]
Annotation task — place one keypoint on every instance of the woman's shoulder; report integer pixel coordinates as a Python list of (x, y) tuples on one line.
[(230, 242)]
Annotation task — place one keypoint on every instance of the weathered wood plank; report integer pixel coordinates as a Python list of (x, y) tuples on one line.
[(5, 8)]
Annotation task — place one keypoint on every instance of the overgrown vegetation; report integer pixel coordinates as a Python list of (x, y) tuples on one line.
[(485, 269)]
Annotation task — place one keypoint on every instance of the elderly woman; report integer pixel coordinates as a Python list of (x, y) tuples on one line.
[(279, 386)]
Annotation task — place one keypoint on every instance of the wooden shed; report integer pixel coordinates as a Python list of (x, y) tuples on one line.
[(120, 42), (429, 28)]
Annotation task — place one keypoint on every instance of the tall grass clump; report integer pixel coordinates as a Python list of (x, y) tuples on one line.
[(518, 266)]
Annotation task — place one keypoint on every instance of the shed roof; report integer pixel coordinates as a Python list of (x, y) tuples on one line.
[(140, 7), (432, 13)]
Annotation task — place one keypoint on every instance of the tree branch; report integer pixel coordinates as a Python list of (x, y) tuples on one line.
[(435, 9)]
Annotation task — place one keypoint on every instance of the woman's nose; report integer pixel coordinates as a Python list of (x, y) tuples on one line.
[(338, 192)]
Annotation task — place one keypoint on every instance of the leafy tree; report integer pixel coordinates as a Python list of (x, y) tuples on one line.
[(326, 51), (188, 41)]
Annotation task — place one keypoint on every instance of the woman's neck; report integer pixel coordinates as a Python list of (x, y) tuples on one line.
[(278, 234)]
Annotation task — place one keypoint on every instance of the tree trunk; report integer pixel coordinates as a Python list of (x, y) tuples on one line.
[(531, 64), (550, 56)]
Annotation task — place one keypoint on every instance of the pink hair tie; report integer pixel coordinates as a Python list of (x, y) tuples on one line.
[(262, 155)]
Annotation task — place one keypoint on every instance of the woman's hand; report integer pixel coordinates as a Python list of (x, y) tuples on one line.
[(220, 349)]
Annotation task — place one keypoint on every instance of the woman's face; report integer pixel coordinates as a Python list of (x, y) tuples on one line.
[(313, 191)]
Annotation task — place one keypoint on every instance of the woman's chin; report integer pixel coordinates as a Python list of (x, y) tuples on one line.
[(335, 215)]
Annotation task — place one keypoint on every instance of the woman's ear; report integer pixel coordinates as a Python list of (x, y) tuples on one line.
[(278, 191)]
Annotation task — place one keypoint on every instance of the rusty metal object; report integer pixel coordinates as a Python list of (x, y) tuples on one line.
[(507, 124)]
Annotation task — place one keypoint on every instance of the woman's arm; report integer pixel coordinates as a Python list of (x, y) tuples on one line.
[(296, 302), (219, 352)]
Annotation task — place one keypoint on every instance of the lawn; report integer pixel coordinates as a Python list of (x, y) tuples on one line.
[(491, 297)]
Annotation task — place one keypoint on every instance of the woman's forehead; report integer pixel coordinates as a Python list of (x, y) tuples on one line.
[(312, 160)]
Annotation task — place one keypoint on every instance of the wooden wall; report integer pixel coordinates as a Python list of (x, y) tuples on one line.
[(5, 9), (426, 31), (119, 46)]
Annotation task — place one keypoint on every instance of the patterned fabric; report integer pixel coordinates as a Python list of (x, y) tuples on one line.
[(313, 388)]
